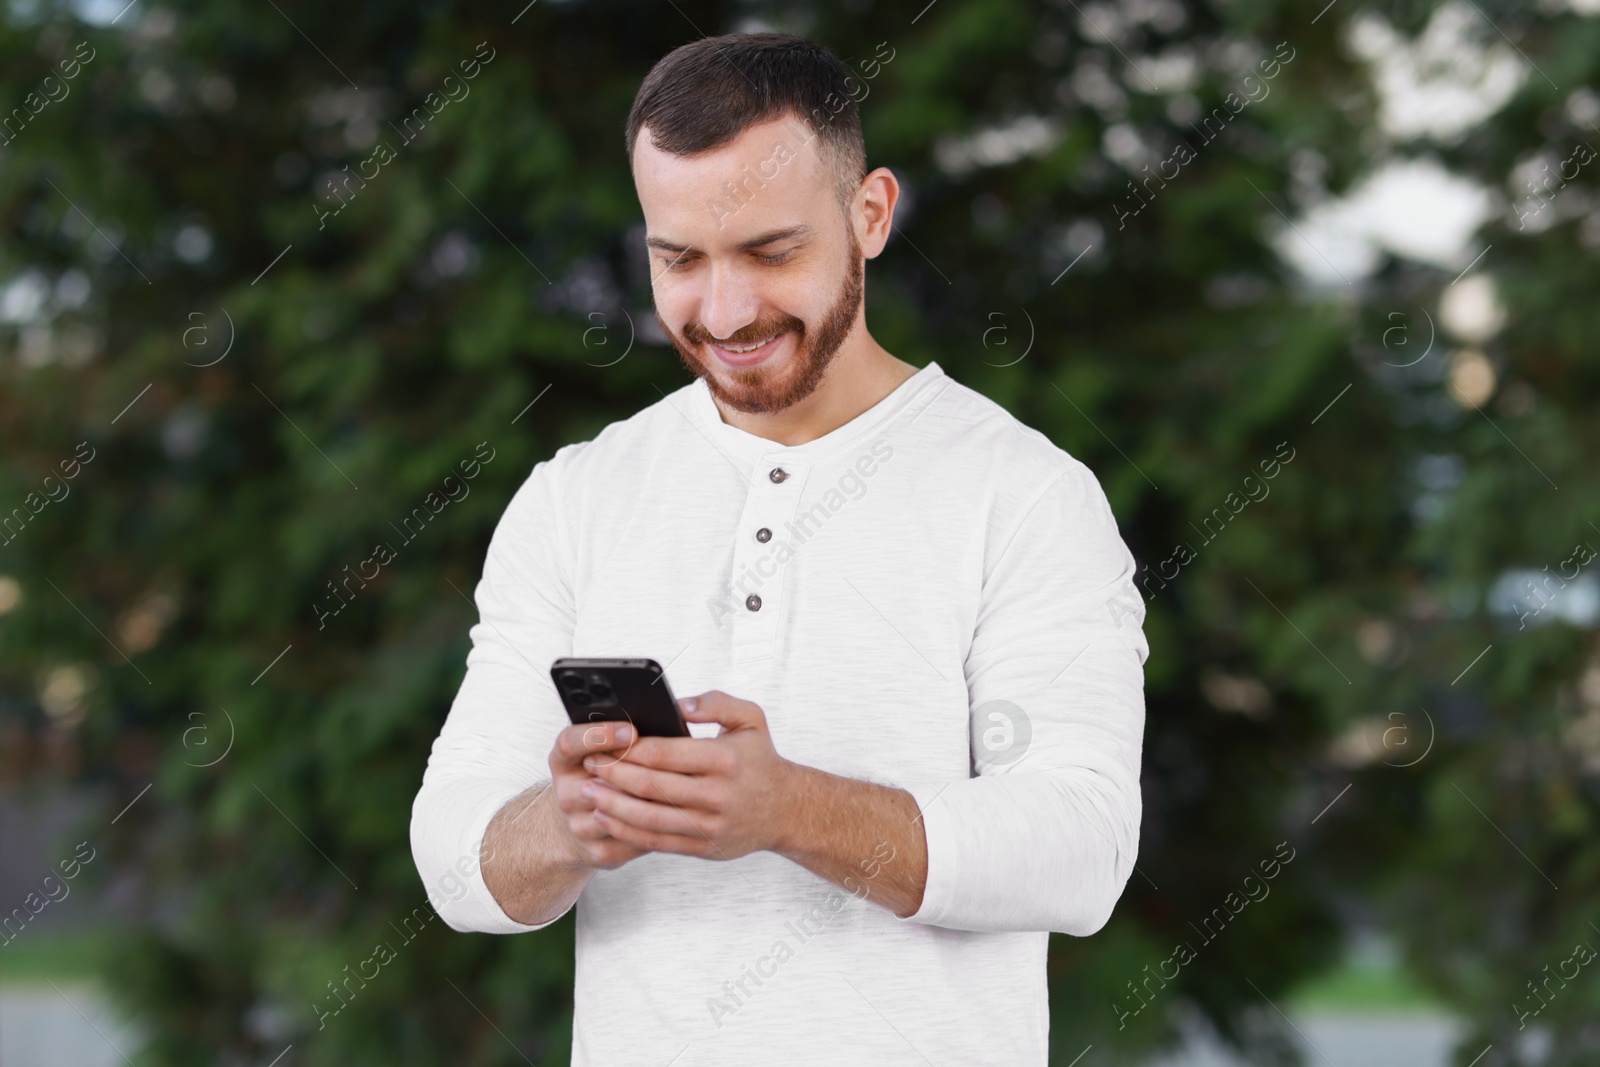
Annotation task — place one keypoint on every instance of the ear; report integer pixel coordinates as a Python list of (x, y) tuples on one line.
[(874, 218)]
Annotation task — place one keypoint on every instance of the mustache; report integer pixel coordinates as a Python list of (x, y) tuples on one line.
[(693, 332)]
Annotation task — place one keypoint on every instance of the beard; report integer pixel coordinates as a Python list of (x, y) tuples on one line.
[(762, 390)]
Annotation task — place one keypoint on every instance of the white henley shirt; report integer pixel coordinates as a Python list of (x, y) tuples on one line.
[(945, 605)]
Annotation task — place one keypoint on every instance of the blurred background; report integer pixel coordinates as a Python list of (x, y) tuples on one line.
[(1311, 286)]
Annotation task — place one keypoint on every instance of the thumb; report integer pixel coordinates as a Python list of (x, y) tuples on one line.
[(716, 706)]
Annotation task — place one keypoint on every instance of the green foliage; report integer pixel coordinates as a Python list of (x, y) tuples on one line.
[(487, 267)]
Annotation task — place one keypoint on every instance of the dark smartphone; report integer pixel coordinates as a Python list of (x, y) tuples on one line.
[(615, 690)]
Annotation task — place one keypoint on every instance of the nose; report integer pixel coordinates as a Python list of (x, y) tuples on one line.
[(730, 302)]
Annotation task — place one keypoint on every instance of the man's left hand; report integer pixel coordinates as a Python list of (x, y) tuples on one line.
[(713, 797)]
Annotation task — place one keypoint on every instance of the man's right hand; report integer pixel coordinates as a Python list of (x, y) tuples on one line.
[(590, 845)]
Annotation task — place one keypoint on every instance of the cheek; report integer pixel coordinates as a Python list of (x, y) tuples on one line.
[(806, 297), (674, 301)]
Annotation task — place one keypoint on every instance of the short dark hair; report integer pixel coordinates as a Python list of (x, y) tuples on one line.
[(702, 95)]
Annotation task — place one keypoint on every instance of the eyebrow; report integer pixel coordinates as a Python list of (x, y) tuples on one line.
[(802, 230)]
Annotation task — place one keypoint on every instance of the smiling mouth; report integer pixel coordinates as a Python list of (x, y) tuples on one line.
[(743, 349), (749, 355)]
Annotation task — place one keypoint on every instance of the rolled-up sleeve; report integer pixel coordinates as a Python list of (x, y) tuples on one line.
[(1045, 834), (496, 739)]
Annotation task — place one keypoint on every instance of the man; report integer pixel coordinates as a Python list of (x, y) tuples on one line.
[(909, 620)]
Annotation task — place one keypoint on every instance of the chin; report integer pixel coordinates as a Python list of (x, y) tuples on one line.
[(751, 391), (760, 390)]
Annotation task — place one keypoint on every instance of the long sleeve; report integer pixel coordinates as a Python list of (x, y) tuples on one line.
[(496, 740), (1045, 835)]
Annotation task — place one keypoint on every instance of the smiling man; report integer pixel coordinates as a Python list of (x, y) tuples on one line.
[(910, 621)]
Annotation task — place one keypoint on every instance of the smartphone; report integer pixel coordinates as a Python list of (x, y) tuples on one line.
[(619, 690)]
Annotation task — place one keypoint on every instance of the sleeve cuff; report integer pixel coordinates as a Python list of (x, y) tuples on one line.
[(941, 853), (472, 907)]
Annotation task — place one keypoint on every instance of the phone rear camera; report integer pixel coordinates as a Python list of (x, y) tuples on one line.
[(571, 680), (580, 699)]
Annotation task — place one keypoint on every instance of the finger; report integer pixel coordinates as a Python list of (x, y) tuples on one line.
[(582, 739), (581, 823), (681, 755), (577, 809), (608, 853), (651, 841), (666, 787), (585, 828), (610, 742), (646, 814), (614, 854), (716, 706)]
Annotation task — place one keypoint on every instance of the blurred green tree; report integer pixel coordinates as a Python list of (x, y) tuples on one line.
[(280, 277)]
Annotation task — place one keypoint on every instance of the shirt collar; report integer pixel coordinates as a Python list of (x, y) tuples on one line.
[(705, 412)]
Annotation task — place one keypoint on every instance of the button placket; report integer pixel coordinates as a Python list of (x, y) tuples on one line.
[(757, 578)]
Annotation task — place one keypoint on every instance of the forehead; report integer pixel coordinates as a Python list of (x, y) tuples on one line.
[(772, 176)]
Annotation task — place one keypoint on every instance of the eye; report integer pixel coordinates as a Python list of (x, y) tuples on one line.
[(775, 258), (681, 263)]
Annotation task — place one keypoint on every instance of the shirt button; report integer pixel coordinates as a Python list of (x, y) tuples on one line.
[(778, 474), (752, 602), (763, 535)]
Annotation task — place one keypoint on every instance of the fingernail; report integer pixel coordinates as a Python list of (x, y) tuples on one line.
[(589, 763), (624, 733), (689, 703), (588, 792)]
